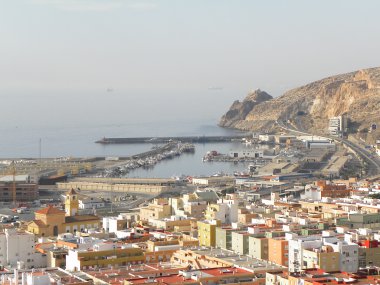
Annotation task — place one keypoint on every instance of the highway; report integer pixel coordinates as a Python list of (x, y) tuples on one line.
[(372, 161)]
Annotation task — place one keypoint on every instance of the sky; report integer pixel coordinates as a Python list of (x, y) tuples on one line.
[(164, 57)]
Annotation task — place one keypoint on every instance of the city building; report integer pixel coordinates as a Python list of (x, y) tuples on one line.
[(121, 222), (207, 232), (44, 276), (51, 221), (103, 255), (246, 154), (278, 251), (258, 247), (158, 209), (338, 125), (239, 242), (322, 188), (25, 190), (17, 250), (226, 210), (86, 202), (223, 237)]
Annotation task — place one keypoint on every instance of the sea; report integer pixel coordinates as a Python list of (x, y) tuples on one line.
[(71, 131)]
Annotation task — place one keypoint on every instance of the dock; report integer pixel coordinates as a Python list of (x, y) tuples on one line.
[(184, 139)]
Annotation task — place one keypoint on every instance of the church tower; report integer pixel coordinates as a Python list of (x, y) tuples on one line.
[(71, 203)]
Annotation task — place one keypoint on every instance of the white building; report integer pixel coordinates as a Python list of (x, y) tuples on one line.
[(296, 248), (320, 144), (228, 209), (90, 203), (337, 125), (19, 248), (312, 192), (300, 247), (349, 254), (266, 138), (42, 276), (121, 222), (17, 178), (247, 153)]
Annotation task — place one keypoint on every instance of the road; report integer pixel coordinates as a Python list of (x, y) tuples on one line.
[(372, 161)]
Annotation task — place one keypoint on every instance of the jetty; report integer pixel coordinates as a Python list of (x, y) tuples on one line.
[(184, 139)]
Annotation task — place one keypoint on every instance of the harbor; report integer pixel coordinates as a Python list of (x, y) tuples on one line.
[(183, 139), (146, 159)]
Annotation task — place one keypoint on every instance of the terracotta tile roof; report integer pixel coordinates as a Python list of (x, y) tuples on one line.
[(39, 223), (50, 210)]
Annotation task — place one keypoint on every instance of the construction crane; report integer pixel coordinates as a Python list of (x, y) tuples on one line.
[(13, 173)]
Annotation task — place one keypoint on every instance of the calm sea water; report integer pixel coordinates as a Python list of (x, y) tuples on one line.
[(69, 125), (80, 142)]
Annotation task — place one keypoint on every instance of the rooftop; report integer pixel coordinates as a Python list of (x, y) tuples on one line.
[(50, 210)]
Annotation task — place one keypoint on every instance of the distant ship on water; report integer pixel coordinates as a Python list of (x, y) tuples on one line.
[(215, 88)]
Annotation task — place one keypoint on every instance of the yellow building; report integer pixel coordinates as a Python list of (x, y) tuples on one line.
[(71, 203), (159, 209), (172, 225), (207, 232), (211, 212), (114, 255), (369, 256), (325, 259), (79, 260), (48, 221), (51, 221)]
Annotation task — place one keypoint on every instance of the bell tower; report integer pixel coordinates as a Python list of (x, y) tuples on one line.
[(71, 203)]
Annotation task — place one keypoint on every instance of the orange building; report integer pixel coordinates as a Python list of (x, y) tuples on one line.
[(278, 251), (51, 221), (333, 190)]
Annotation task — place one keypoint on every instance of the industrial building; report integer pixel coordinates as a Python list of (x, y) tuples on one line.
[(20, 185)]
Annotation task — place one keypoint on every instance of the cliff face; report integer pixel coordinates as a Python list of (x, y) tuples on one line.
[(239, 111), (356, 94)]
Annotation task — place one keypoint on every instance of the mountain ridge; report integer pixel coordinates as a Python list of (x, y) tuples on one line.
[(355, 94)]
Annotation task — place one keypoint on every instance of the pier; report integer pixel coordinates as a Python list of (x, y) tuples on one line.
[(184, 139)]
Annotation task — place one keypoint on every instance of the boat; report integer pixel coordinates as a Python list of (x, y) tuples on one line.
[(52, 179), (241, 174)]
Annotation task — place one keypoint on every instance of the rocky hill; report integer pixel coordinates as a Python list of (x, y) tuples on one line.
[(239, 111), (356, 94)]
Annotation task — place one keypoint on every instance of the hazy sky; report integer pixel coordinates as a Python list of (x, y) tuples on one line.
[(173, 48)]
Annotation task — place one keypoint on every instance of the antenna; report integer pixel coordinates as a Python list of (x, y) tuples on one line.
[(112, 198), (40, 149)]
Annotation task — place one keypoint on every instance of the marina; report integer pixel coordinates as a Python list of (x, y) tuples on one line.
[(147, 159)]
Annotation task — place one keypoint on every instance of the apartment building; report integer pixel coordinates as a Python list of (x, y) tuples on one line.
[(103, 255), (223, 237), (226, 210), (278, 251), (239, 242), (207, 232), (158, 209), (17, 249), (258, 247)]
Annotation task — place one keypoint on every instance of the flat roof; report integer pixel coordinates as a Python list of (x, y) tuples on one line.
[(243, 261)]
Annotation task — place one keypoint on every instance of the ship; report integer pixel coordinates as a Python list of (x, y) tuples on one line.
[(52, 179)]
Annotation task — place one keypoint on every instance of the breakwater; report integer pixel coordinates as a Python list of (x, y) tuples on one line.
[(184, 139)]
